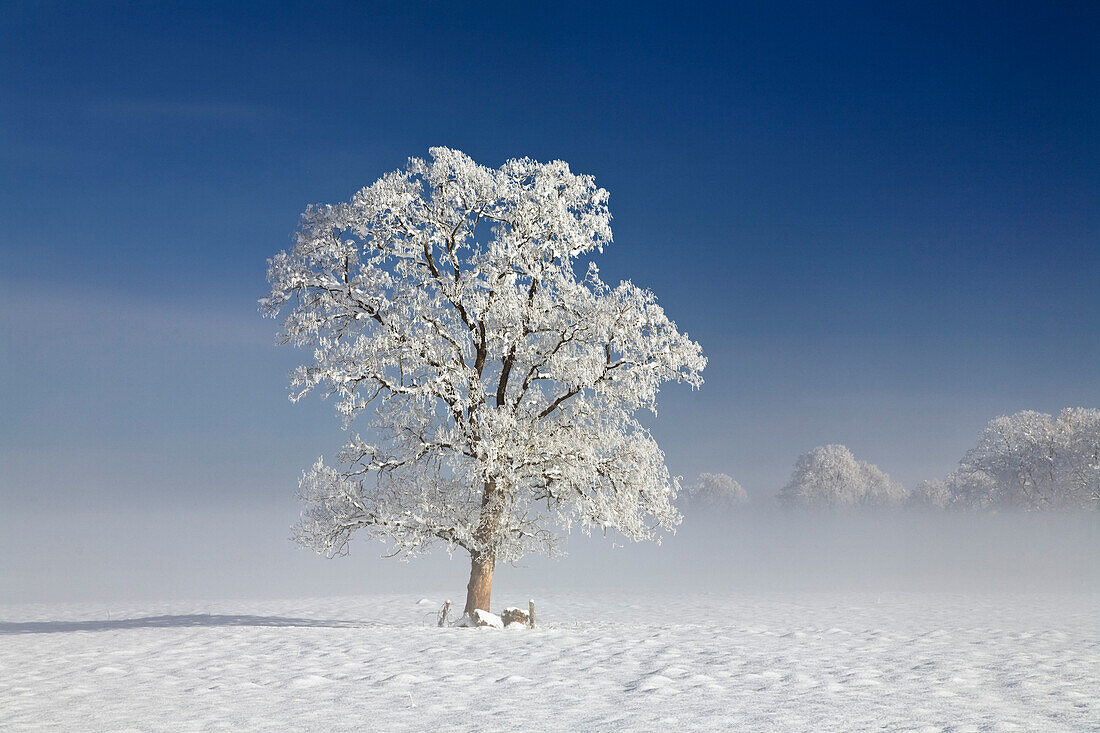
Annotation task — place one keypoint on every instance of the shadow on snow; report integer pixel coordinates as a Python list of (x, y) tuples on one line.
[(161, 622)]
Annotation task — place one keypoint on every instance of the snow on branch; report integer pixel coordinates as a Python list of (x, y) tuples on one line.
[(498, 386)]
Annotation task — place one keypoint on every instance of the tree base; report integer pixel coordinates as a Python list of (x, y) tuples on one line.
[(510, 618), (480, 618)]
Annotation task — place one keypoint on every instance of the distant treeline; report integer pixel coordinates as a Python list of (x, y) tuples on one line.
[(1029, 461)]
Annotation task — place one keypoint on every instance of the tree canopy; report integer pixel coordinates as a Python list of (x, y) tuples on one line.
[(716, 491), (831, 476), (1033, 461), (499, 387)]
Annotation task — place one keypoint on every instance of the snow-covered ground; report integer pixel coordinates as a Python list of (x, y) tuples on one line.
[(840, 661)]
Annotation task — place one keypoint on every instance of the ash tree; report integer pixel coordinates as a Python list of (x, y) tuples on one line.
[(830, 476), (498, 388)]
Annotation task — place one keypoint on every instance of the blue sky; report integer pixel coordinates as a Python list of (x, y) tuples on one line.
[(879, 219)]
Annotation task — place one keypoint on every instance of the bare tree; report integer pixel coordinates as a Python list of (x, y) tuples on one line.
[(716, 490), (1033, 461), (830, 476), (500, 387), (933, 494)]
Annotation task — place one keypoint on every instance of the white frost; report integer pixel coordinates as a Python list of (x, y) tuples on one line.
[(500, 388), (831, 476)]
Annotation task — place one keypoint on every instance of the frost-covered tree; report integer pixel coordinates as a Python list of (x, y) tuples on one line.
[(1033, 461), (830, 476), (498, 387), (933, 494), (716, 490)]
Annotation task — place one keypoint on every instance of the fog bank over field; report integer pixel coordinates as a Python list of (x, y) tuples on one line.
[(240, 551), (810, 551)]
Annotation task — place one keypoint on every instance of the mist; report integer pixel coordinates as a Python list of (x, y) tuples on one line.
[(242, 551), (773, 550)]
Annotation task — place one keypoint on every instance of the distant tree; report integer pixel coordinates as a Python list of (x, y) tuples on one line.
[(933, 494), (830, 476), (1033, 461), (716, 490), (501, 388), (971, 489)]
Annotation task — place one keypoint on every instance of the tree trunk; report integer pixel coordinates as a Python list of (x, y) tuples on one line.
[(479, 590)]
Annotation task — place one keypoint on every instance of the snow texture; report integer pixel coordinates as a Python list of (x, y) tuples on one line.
[(842, 661), (481, 618)]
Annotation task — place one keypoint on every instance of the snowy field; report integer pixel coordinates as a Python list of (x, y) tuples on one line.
[(809, 662)]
